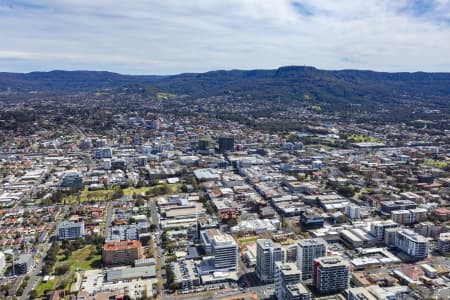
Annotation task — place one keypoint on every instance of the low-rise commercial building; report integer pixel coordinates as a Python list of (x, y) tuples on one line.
[(186, 275), (285, 274), (22, 264)]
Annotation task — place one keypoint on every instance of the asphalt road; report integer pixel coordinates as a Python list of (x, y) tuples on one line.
[(109, 216), (37, 267), (159, 250), (34, 275)]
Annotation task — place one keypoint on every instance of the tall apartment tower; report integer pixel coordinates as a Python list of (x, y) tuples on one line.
[(267, 254), (331, 274), (307, 251)]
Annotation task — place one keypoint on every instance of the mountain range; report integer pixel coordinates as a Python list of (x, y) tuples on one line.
[(291, 83)]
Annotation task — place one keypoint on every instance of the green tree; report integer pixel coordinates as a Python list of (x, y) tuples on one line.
[(346, 190)]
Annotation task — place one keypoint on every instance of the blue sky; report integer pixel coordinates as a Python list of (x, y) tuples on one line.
[(174, 36)]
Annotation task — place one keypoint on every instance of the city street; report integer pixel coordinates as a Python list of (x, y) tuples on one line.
[(37, 267)]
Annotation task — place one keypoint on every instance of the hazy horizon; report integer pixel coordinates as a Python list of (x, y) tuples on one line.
[(172, 37), (217, 70)]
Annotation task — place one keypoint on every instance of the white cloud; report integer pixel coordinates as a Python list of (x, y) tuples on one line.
[(171, 36)]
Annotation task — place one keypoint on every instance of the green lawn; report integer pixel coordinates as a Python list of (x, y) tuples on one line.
[(86, 195), (105, 195), (96, 195), (318, 146), (80, 259), (247, 240), (42, 287), (137, 191), (132, 190), (358, 138), (436, 164)]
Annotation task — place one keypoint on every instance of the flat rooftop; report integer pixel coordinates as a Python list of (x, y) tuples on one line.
[(123, 245)]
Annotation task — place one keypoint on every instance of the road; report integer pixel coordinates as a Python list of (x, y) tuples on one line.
[(159, 251), (37, 267), (109, 216), (223, 295), (34, 275)]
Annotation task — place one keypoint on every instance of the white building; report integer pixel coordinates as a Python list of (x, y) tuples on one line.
[(412, 243), (353, 211), (267, 254), (68, 230), (409, 216), (307, 251), (2, 262), (444, 243), (223, 247), (377, 228), (104, 152)]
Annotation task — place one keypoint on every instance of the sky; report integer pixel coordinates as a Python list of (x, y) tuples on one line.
[(177, 36)]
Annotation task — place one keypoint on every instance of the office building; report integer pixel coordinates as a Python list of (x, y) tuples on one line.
[(222, 246), (226, 144), (307, 251), (139, 231), (267, 254), (71, 179), (412, 243), (353, 211), (204, 144), (122, 253), (311, 220), (409, 216), (444, 243), (106, 163), (285, 274), (290, 253), (390, 235), (357, 237), (377, 228), (390, 206), (100, 143), (68, 230), (22, 264), (119, 164), (331, 274), (156, 124), (104, 152)]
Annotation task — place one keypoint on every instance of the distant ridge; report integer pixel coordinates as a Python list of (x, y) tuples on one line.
[(59, 81), (285, 83)]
